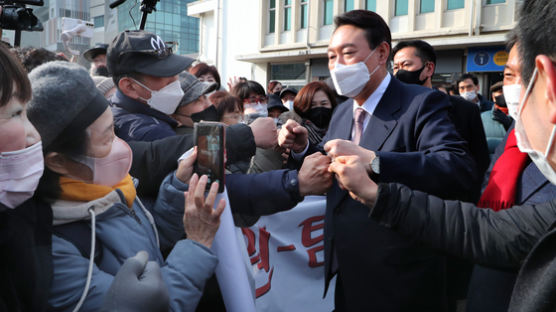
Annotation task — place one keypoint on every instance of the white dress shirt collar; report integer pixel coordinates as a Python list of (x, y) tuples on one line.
[(372, 101)]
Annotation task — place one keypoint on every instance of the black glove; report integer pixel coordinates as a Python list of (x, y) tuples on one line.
[(138, 286), (502, 118)]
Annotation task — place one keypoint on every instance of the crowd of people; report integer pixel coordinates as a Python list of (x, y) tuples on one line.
[(437, 197)]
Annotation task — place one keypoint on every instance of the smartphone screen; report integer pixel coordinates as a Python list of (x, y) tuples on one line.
[(209, 138)]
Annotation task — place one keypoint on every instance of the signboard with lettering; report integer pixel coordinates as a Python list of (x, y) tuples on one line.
[(286, 255), (486, 59)]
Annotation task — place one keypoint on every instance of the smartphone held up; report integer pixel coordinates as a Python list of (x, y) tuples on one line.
[(209, 139)]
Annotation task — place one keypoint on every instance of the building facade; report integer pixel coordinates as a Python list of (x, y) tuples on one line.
[(286, 40)]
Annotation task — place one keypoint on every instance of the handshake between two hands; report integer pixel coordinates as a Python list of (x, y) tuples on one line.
[(349, 162)]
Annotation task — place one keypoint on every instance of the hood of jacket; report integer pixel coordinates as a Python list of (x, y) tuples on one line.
[(67, 211)]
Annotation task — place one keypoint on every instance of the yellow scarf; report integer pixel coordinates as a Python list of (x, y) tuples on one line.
[(81, 191)]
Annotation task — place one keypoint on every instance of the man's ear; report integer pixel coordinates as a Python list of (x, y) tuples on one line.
[(430, 67), (131, 89), (546, 68), (56, 162), (384, 52)]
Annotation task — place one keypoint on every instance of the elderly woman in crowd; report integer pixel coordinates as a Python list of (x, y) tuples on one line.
[(206, 73), (87, 184)]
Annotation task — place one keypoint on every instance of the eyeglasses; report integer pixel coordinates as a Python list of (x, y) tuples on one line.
[(255, 99)]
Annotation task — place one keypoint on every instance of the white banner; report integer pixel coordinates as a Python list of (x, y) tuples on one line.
[(231, 271), (286, 254)]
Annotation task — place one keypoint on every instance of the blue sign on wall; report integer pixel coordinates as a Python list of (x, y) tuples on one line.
[(486, 59)]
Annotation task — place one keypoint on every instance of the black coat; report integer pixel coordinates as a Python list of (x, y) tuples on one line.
[(501, 239), (467, 119), (25, 261), (490, 289)]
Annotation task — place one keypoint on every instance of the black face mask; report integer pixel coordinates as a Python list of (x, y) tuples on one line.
[(100, 71), (320, 116), (500, 101), (208, 114), (411, 77)]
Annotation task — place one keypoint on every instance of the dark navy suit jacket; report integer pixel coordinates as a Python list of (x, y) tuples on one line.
[(418, 145), (491, 289)]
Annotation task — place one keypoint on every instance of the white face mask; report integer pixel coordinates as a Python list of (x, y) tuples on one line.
[(165, 100), (349, 80), (470, 96), (511, 95), (252, 111), (524, 146), (289, 104), (20, 172)]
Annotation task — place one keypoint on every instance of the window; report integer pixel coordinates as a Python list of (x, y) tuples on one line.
[(287, 14), (304, 12), (292, 71), (328, 4), (427, 6), (455, 4), (271, 16), (370, 5), (98, 21), (401, 8), (494, 1), (348, 5)]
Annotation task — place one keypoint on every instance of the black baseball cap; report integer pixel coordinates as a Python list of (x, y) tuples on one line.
[(143, 52), (99, 48), (288, 90)]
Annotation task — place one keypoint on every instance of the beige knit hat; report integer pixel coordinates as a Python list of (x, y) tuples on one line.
[(103, 84)]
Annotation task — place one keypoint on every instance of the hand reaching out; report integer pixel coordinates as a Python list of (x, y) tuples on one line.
[(200, 220)]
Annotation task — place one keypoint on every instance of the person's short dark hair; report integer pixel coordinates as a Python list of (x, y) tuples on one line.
[(303, 99), (423, 50), (6, 44), (468, 76), (225, 103), (243, 89), (376, 29), (497, 87), (511, 38), (537, 33), (203, 69), (13, 78), (32, 57)]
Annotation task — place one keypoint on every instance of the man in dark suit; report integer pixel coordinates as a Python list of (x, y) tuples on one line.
[(404, 134), (415, 63)]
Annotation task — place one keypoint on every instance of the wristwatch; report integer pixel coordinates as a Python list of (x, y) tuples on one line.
[(375, 165)]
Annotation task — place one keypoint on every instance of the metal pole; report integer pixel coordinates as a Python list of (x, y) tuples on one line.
[(17, 39)]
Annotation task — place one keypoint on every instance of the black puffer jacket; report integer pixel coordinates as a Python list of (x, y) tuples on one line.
[(503, 239)]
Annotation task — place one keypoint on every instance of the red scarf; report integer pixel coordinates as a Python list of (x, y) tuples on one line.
[(503, 109), (500, 191)]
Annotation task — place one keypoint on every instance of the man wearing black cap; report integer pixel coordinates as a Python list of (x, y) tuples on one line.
[(97, 56), (287, 95), (275, 106), (145, 72)]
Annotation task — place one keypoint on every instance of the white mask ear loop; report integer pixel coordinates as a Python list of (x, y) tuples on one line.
[(550, 142), (528, 91)]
